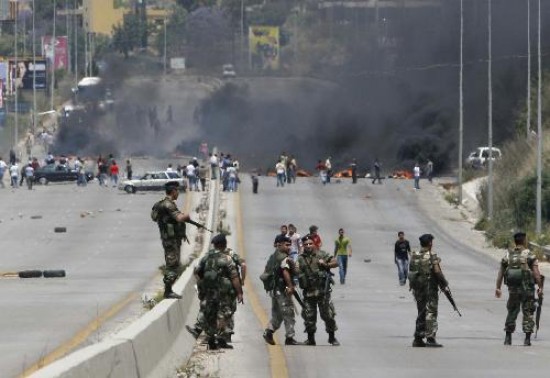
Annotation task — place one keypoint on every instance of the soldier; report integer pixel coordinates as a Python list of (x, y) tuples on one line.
[(240, 263), (218, 281), (278, 282), (519, 270), (315, 279), (425, 279), (171, 223)]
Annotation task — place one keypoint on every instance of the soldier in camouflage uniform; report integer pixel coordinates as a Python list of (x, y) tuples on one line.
[(281, 268), (519, 270), (315, 279), (425, 280), (171, 223), (218, 283)]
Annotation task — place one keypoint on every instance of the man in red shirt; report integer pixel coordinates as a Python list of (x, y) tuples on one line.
[(315, 236), (113, 170)]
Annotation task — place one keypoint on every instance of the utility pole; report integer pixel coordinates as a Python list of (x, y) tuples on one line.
[(16, 31), (165, 30), (539, 131), (68, 32), (528, 68), (33, 120), (75, 45), (490, 110), (461, 103), (53, 43)]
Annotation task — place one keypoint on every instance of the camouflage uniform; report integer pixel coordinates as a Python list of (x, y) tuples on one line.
[(171, 234), (312, 279), (282, 307), (518, 276), (216, 270), (425, 284), (233, 297)]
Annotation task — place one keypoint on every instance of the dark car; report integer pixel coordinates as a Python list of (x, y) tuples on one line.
[(57, 173)]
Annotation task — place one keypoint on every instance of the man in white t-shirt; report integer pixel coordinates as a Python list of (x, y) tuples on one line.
[(14, 174), (296, 239), (280, 169), (191, 177), (3, 167), (416, 172), (214, 166), (29, 175)]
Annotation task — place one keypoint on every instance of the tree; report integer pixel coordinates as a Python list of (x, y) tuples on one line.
[(127, 37)]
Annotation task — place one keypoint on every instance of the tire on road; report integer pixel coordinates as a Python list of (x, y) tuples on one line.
[(60, 229), (30, 274), (129, 189), (43, 181), (54, 273)]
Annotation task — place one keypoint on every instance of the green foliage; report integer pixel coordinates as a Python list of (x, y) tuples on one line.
[(271, 14), (175, 33), (128, 36)]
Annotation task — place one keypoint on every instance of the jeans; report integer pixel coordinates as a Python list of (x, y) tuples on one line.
[(232, 184), (343, 267), (280, 179), (416, 182), (402, 270)]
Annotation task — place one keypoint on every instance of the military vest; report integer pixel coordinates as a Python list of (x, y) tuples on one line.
[(517, 271), (216, 273), (421, 268), (272, 277), (311, 277), (169, 228)]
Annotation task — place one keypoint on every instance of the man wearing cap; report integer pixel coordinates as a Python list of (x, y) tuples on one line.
[(282, 308), (315, 280), (519, 270), (218, 280), (171, 223), (425, 280)]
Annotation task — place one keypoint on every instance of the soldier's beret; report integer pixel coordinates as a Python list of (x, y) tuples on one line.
[(170, 185), (313, 228), (307, 237), (219, 239), (425, 239), (282, 239)]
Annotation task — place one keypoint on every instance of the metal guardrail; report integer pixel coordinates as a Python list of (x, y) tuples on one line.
[(545, 249)]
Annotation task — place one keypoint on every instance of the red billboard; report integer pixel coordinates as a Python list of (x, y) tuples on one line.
[(61, 52)]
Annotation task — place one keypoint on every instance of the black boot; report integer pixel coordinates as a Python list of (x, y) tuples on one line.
[(168, 293), (332, 340), (268, 337), (418, 342), (430, 342), (527, 341), (212, 344), (222, 343), (291, 341), (310, 339), (508, 338), (195, 331)]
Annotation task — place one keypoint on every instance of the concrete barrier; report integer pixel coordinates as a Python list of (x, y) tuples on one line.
[(154, 345)]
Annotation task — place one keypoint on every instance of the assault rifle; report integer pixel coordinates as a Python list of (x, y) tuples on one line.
[(199, 225), (328, 278), (539, 307), (449, 295)]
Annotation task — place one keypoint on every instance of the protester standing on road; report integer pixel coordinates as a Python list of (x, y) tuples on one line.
[(296, 248), (14, 175), (129, 170), (278, 272), (113, 171), (3, 167), (377, 168), (314, 235), (171, 223), (322, 169), (353, 167), (213, 166), (328, 165), (430, 170), (401, 255), (425, 280), (315, 280), (416, 173), (342, 250), (203, 172), (218, 277), (29, 175), (519, 269), (280, 170)]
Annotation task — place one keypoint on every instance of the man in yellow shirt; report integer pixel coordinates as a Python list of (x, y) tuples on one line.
[(342, 250)]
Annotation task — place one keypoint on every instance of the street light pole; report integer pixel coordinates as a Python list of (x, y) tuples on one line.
[(165, 30), (34, 68), (53, 43), (16, 126), (539, 131), (490, 110), (528, 68), (461, 103)]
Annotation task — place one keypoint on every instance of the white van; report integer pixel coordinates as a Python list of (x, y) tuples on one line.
[(479, 156)]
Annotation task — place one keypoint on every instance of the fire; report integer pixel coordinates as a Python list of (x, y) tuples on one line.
[(403, 174), (343, 173)]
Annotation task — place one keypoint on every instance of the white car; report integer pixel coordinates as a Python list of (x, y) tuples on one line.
[(228, 71), (152, 181), (479, 157)]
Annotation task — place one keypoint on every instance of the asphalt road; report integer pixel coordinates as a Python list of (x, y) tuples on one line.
[(375, 315), (110, 252)]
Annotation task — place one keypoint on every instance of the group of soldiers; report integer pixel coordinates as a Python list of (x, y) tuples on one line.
[(221, 274), (519, 270)]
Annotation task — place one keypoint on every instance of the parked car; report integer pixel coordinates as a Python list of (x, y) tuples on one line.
[(480, 156), (152, 181), (228, 71), (57, 173)]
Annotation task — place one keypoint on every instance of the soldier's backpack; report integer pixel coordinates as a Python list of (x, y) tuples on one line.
[(420, 268), (212, 272), (268, 277), (156, 211), (517, 268)]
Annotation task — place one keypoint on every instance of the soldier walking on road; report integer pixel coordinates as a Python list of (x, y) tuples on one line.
[(171, 223), (278, 282), (315, 280), (218, 281), (519, 270), (425, 279)]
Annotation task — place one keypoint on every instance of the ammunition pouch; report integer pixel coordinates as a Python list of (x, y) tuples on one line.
[(303, 282)]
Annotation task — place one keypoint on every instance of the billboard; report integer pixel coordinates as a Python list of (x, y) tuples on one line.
[(61, 51), (22, 75), (263, 42)]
